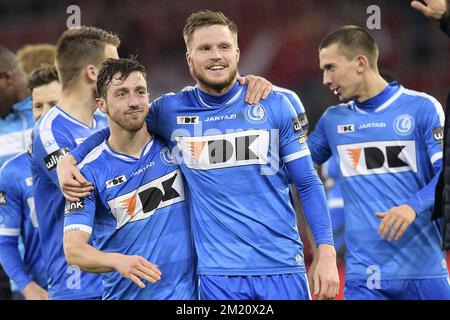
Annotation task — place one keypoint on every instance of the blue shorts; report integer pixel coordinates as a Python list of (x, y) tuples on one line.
[(419, 289), (292, 286)]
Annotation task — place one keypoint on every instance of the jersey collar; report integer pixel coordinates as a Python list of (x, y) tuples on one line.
[(126, 157), (381, 101), (226, 99)]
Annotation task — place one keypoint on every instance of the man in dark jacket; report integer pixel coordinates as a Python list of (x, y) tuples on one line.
[(439, 10)]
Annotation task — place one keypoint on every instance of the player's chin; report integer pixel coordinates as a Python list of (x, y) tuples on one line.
[(343, 98), (217, 80), (134, 126)]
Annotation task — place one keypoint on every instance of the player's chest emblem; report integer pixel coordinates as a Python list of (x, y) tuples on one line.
[(377, 157), (255, 113), (225, 150), (404, 124), (147, 199)]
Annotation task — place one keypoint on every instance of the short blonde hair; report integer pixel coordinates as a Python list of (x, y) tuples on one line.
[(78, 47), (34, 56), (206, 18)]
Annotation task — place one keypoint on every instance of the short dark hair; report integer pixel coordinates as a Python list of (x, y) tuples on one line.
[(112, 67), (351, 41), (206, 18), (42, 76), (78, 47)]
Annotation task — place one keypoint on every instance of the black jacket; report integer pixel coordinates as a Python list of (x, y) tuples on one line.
[(442, 196), (444, 24)]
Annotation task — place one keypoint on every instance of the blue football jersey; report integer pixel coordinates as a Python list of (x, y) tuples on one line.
[(15, 130), (232, 155), (55, 134), (389, 149), (138, 208), (18, 219)]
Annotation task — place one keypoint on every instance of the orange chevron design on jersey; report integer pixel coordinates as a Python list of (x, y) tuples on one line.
[(130, 204), (354, 156), (196, 148)]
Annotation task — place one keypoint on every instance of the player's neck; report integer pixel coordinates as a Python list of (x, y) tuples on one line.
[(215, 92), (372, 85), (79, 103), (128, 142)]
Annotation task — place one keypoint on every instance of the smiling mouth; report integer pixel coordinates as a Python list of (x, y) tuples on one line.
[(216, 68), (134, 113), (335, 91)]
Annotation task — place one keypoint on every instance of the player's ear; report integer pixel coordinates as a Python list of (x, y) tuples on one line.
[(238, 54), (189, 59), (91, 72), (101, 105), (7, 78), (362, 63)]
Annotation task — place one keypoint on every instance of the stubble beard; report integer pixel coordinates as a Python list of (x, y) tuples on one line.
[(215, 86)]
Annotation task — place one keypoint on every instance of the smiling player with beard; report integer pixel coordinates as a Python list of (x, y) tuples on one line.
[(237, 172)]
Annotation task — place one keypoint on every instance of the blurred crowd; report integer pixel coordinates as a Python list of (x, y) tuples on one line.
[(278, 38)]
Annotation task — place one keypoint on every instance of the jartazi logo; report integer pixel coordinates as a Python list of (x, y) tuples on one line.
[(147, 199), (225, 150), (2, 197), (346, 128), (372, 125), (51, 160), (74, 206), (221, 118), (188, 119), (116, 181), (377, 158)]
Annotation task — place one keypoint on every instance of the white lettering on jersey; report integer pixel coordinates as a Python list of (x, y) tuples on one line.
[(143, 202), (221, 118), (225, 150), (372, 125), (377, 157)]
